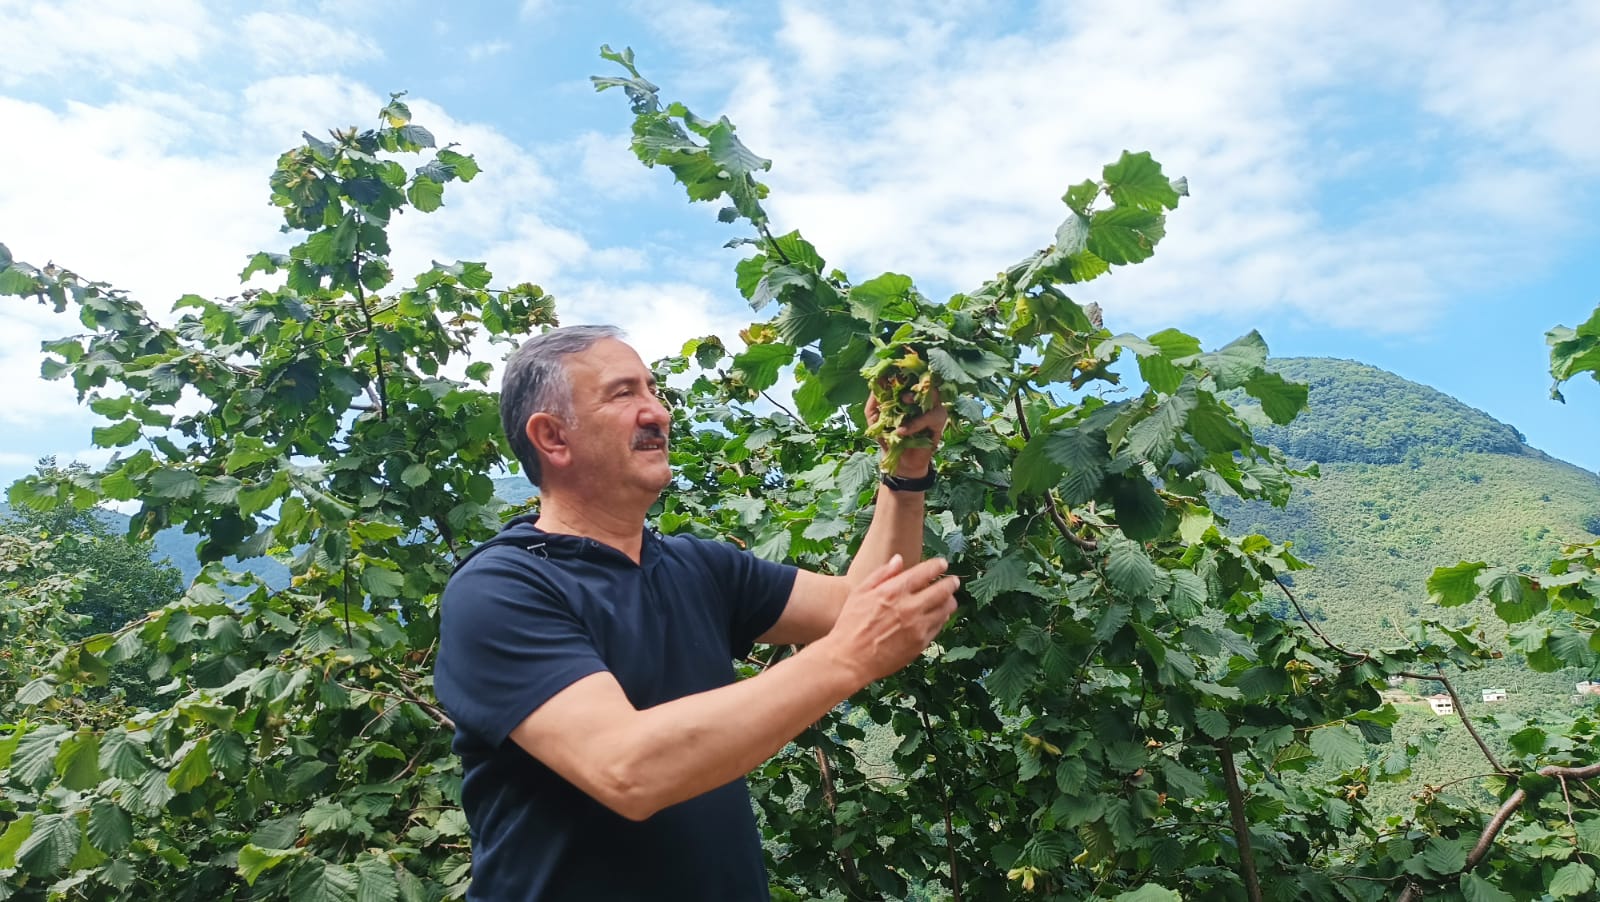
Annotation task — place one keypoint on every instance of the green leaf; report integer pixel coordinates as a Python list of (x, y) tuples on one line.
[(1140, 511), (1454, 586), (254, 860), (110, 828), (1007, 574), (1238, 362), (228, 752), (1123, 235), (761, 364), (120, 756), (1589, 836), (375, 881), (1083, 455), (278, 833), (1136, 180), (1338, 746), (36, 754), (1281, 399), (1571, 881), (77, 763), (773, 545), (381, 582), (116, 435), (1514, 596), (51, 844), (16, 282), (1012, 678), (13, 836), (1477, 889), (174, 483), (1154, 437), (871, 298), (416, 475), (325, 817), (1150, 892), (194, 769), (1212, 723), (425, 194), (1189, 594), (35, 691), (1131, 571), (1033, 472), (1439, 858)]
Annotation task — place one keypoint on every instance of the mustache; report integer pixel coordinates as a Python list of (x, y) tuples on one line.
[(649, 434)]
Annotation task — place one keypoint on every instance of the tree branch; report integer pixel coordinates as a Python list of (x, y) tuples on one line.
[(944, 798), (1306, 619), (1461, 713), (1241, 826), (377, 350), (846, 861), (1503, 814), (1050, 496)]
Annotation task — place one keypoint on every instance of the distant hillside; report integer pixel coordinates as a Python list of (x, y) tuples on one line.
[(1361, 414), (1413, 479)]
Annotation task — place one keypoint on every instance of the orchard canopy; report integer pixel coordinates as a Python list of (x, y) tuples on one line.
[(1113, 713)]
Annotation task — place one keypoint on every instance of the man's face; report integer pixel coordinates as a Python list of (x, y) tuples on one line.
[(619, 433)]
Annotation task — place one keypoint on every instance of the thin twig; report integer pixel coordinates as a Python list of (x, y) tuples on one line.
[(778, 404), (1049, 495), (349, 637), (772, 242), (944, 797), (1570, 821), (829, 795), (377, 350), (437, 716), (1241, 827), (1461, 713), (1306, 619)]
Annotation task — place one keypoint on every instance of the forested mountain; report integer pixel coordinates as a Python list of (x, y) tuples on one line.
[(1412, 479), (1361, 414)]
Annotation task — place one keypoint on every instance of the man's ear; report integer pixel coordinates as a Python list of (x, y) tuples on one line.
[(549, 435)]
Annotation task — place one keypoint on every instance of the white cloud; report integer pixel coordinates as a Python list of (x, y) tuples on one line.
[(487, 49), (290, 41), (609, 168), (104, 37), (658, 316), (939, 147)]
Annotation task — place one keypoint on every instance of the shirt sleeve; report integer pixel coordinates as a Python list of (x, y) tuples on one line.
[(507, 644), (755, 590)]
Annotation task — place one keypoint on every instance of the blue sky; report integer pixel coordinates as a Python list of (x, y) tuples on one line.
[(1410, 185)]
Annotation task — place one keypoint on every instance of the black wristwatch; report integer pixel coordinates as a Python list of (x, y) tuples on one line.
[(905, 484)]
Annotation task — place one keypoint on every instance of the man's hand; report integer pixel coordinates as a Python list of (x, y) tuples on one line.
[(891, 616), (916, 461)]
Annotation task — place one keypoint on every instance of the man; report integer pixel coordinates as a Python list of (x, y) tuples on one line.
[(588, 662)]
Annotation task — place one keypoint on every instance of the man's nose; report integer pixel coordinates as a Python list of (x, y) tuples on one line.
[(656, 413)]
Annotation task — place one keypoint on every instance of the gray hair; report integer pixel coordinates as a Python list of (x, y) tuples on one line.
[(536, 381)]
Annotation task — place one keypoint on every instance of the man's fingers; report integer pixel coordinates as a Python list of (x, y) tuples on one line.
[(919, 576), (932, 421), (885, 572)]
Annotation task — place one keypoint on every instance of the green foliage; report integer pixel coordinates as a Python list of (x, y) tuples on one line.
[(1574, 352), (1074, 734), (298, 719)]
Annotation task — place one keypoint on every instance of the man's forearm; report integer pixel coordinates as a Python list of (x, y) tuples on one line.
[(896, 528), (678, 750)]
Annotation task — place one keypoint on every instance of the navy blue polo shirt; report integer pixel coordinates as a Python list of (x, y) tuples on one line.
[(530, 613)]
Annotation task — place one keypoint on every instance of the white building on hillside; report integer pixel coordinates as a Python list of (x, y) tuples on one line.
[(1442, 705), (1494, 695)]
